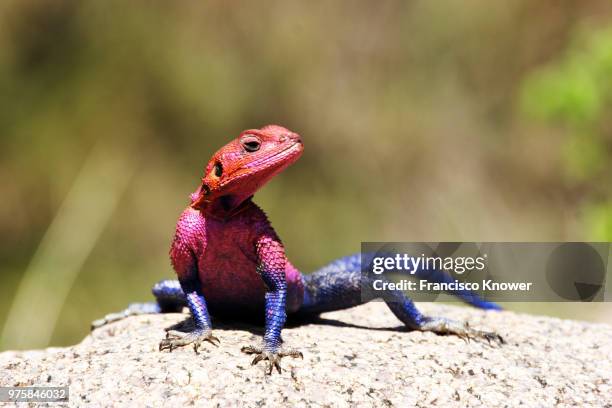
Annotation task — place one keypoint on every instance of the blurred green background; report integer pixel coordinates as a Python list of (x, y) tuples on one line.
[(422, 121)]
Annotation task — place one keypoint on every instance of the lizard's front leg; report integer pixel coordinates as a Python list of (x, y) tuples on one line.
[(202, 327), (271, 267), (189, 233)]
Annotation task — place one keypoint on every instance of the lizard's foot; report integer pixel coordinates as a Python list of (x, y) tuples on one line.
[(441, 325), (196, 337), (273, 357), (132, 310)]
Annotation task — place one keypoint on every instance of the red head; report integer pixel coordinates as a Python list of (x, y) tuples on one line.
[(242, 166)]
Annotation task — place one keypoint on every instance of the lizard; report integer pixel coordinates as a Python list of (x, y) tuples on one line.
[(229, 260)]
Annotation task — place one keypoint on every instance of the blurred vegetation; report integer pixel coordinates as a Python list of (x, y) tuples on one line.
[(421, 121), (575, 92)]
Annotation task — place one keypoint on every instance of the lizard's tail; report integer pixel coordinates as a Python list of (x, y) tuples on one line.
[(438, 276)]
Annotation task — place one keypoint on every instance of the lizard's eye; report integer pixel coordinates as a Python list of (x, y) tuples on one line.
[(218, 169), (251, 144)]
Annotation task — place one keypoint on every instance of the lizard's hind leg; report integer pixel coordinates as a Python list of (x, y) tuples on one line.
[(338, 286), (169, 298), (405, 310)]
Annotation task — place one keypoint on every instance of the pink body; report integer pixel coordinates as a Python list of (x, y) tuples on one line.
[(226, 259)]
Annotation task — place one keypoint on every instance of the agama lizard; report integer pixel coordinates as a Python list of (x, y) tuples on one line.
[(229, 259)]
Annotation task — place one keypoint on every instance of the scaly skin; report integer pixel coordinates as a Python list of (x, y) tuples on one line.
[(229, 260)]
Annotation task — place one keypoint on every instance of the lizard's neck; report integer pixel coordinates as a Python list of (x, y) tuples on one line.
[(227, 206)]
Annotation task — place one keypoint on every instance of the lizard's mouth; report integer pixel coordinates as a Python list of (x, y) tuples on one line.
[(282, 158), (201, 196)]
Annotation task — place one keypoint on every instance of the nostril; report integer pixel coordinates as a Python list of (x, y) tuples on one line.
[(205, 189), (295, 137)]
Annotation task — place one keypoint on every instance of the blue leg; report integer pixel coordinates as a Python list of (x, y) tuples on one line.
[(169, 296), (338, 286), (472, 298), (405, 310), (271, 263), (169, 299), (194, 299)]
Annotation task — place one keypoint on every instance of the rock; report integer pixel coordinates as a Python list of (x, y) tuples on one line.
[(357, 357)]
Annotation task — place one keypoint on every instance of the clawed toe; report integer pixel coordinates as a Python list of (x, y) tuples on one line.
[(470, 333), (463, 331), (273, 357), (492, 337), (175, 339)]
